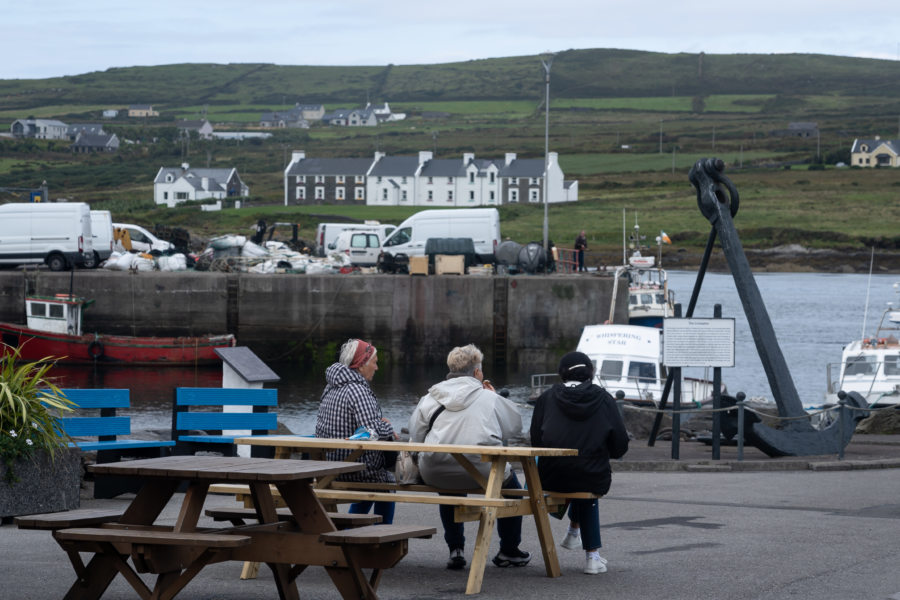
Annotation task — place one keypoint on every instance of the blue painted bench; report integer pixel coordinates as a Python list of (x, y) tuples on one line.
[(198, 420), (106, 425)]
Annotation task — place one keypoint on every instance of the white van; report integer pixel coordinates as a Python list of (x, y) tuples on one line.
[(55, 233), (327, 233), (141, 240), (480, 224), (363, 247), (101, 237)]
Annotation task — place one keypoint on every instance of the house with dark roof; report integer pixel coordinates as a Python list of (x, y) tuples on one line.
[(351, 117), (425, 181), (92, 128), (292, 118), (42, 129), (325, 180), (801, 129), (875, 152), (203, 128), (174, 185), (95, 142)]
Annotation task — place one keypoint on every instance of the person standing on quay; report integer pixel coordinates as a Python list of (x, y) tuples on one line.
[(580, 247), (348, 403), (577, 413)]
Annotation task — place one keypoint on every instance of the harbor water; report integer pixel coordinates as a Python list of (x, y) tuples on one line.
[(813, 316)]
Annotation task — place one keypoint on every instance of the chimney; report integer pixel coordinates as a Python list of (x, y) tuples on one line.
[(185, 166), (204, 183), (468, 157), (298, 155), (379, 156), (425, 156), (510, 157)]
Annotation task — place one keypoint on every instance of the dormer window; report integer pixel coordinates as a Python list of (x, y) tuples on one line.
[(169, 178)]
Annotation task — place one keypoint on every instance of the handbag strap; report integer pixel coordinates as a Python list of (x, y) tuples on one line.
[(434, 417)]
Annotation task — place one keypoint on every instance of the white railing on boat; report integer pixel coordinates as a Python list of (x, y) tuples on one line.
[(693, 390)]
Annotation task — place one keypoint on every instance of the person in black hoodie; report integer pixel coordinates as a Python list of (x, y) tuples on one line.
[(579, 414)]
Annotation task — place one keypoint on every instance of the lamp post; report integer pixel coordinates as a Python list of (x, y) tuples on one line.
[(546, 64)]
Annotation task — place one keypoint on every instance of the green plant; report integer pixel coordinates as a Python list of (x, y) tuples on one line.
[(30, 404)]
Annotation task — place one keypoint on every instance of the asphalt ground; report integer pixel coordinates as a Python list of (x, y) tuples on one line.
[(783, 529)]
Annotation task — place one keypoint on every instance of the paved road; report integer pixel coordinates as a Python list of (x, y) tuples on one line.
[(772, 535)]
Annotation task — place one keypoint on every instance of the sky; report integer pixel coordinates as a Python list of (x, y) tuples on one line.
[(50, 38)]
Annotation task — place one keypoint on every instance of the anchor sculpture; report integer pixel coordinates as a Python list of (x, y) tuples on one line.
[(718, 200)]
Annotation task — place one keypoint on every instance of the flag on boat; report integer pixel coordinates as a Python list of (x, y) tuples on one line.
[(664, 237)]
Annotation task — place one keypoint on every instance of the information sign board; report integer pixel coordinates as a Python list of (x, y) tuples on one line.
[(698, 342)]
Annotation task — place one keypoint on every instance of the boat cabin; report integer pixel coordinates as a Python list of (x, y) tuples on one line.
[(871, 366), (626, 358), (55, 314)]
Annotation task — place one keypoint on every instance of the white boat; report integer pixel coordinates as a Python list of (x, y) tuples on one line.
[(870, 366), (649, 298), (629, 358)]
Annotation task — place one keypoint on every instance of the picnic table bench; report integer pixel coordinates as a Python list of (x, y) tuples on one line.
[(177, 553), (484, 504)]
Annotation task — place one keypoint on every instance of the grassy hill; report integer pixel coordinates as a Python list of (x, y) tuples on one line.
[(599, 73)]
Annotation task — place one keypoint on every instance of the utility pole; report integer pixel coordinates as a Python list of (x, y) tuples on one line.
[(714, 139), (660, 136), (546, 64)]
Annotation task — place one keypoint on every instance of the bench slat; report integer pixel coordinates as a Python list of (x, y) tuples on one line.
[(98, 398), (141, 536), (219, 421), (71, 518), (354, 496), (377, 534), (342, 520), (226, 396), (96, 426), (120, 444)]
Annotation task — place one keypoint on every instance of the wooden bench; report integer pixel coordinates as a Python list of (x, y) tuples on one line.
[(151, 537), (106, 425), (239, 516), (83, 517), (195, 430), (359, 543)]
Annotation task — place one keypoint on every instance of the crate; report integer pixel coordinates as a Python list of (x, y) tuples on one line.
[(449, 264), (482, 270), (418, 265)]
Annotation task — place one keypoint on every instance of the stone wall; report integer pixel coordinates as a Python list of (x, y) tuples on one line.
[(519, 320)]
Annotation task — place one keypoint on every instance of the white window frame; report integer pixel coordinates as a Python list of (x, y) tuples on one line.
[(339, 179), (513, 195), (301, 178), (339, 193), (360, 193), (320, 179), (360, 179), (301, 193), (320, 192), (533, 195), (431, 195), (449, 195), (471, 195)]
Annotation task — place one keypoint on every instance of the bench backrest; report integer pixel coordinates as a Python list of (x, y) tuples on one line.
[(107, 400), (259, 421)]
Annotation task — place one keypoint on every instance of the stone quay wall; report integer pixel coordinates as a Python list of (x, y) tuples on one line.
[(527, 320)]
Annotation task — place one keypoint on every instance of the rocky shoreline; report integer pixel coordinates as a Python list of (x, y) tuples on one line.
[(794, 259)]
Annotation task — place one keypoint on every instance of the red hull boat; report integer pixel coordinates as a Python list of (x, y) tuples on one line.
[(54, 329)]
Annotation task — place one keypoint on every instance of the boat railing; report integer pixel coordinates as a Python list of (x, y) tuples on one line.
[(693, 390)]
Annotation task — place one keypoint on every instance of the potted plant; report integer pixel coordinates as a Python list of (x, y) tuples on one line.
[(38, 472)]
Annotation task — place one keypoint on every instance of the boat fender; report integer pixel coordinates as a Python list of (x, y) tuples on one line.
[(95, 349)]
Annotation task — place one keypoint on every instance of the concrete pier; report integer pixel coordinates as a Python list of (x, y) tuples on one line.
[(527, 320)]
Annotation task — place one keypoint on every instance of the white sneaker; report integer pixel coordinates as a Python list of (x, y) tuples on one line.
[(593, 566), (572, 541)]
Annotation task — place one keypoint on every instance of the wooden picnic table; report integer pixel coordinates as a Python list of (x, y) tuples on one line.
[(178, 553), (491, 502)]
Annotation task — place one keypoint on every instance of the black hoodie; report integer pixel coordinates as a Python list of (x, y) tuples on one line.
[(583, 417)]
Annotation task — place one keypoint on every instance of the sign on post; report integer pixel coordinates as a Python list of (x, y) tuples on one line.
[(698, 342)]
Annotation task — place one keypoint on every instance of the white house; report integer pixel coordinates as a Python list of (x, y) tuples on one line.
[(174, 185), (42, 129)]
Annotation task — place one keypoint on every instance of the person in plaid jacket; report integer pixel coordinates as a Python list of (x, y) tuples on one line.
[(349, 403)]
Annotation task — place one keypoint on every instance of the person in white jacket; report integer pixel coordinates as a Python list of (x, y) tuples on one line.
[(465, 409)]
